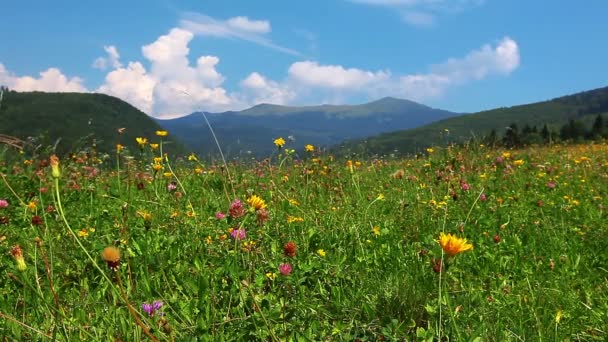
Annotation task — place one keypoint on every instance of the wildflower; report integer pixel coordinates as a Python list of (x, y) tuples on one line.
[(141, 141), (37, 220), (162, 133), (172, 186), (111, 255), (309, 148), (220, 215), (256, 202), (236, 209), (152, 307), (83, 233), (380, 197), (496, 238), (292, 219), (285, 269), (321, 253), (483, 197), (262, 216), (465, 186), (294, 202), (192, 157), (551, 185), (376, 230), (453, 245), (17, 253), (3, 203), (32, 205), (154, 146), (271, 275), (279, 142), (119, 148), (238, 234), (519, 162), (430, 150), (290, 249), (55, 166), (559, 315)]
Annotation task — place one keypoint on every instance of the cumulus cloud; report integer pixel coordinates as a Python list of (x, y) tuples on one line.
[(111, 60), (333, 76), (476, 65), (50, 80), (259, 89), (242, 28), (171, 87)]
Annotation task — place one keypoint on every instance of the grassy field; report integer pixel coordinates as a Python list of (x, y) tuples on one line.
[(307, 248)]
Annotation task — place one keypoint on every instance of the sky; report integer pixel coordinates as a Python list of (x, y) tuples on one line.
[(170, 58)]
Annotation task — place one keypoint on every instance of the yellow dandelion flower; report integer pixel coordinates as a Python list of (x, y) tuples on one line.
[(154, 146), (430, 150), (192, 157), (157, 167), (271, 275), (83, 233), (54, 161), (198, 170), (294, 202), (376, 230), (519, 162), (145, 215), (141, 141), (119, 148), (162, 133), (453, 245), (309, 148), (168, 174), (292, 219), (321, 253), (380, 197), (279, 142), (32, 205), (208, 240), (256, 202)]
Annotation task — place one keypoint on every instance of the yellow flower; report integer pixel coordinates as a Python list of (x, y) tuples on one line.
[(119, 148), (280, 142), (168, 174), (174, 214), (271, 275), (83, 233), (294, 202), (256, 202), (453, 245), (380, 197), (309, 148), (291, 219), (198, 170), (519, 162), (32, 205), (321, 253), (162, 133), (158, 160), (157, 167), (506, 155), (154, 146), (559, 315), (376, 230), (141, 141), (208, 240), (192, 157), (430, 150), (145, 215)]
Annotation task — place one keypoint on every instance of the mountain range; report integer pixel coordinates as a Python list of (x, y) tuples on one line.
[(251, 131)]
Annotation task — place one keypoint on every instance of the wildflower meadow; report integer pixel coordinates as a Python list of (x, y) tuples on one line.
[(466, 243)]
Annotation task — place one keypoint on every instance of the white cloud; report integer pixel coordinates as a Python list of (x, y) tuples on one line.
[(476, 65), (418, 18), (333, 76), (244, 24), (259, 89), (50, 80), (171, 87), (242, 28), (112, 59)]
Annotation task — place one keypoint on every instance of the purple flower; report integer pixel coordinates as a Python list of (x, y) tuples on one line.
[(220, 215), (551, 185), (151, 308), (238, 234), (172, 186), (483, 197), (285, 269), (465, 186), (3, 203)]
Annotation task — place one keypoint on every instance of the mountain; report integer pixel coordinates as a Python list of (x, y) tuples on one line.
[(252, 131), (75, 120), (555, 113)]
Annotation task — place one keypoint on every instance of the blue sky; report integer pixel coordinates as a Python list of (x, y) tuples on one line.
[(169, 58)]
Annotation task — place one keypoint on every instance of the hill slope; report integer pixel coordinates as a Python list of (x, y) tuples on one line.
[(77, 119), (555, 113), (253, 130)]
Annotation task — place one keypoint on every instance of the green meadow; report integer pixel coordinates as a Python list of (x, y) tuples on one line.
[(302, 246)]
